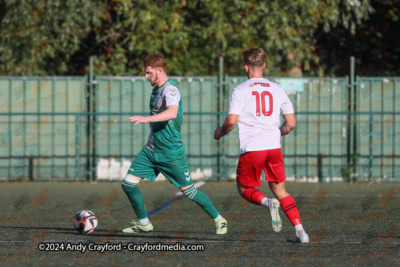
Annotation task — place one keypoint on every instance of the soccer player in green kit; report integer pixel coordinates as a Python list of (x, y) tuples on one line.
[(164, 151)]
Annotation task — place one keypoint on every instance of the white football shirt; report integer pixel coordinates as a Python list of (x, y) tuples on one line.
[(259, 102)]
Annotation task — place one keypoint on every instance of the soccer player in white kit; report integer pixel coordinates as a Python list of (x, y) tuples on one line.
[(256, 105)]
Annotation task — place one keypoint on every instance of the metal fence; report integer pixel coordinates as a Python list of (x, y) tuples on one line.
[(77, 128), (375, 143), (39, 129)]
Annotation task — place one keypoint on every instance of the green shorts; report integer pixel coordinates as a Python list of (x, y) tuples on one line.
[(173, 165)]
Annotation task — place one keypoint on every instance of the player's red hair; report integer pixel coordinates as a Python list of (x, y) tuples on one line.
[(155, 61)]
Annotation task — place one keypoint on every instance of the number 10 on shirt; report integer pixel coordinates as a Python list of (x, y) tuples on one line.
[(271, 101)]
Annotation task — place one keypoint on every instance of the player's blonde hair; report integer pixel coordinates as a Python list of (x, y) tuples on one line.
[(155, 61), (254, 57)]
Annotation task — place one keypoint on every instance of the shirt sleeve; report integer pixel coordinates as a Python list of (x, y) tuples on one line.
[(287, 106), (236, 104), (172, 96)]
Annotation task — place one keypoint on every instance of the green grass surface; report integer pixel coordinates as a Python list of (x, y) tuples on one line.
[(348, 225)]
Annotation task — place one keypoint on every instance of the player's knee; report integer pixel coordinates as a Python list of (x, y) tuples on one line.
[(279, 192), (190, 192), (240, 189), (132, 179), (185, 187), (130, 183)]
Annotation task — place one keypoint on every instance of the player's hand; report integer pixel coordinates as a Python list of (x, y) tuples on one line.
[(217, 133), (138, 119)]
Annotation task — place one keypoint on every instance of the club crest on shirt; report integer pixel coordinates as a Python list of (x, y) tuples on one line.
[(251, 85)]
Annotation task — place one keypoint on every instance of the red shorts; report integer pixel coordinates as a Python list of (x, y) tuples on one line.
[(252, 163)]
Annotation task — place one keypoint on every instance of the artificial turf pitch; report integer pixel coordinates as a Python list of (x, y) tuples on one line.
[(348, 225)]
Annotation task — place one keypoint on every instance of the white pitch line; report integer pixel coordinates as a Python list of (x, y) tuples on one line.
[(197, 185)]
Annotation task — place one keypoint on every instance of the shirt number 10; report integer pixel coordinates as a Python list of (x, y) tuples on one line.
[(263, 108)]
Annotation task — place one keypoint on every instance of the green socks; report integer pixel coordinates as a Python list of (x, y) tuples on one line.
[(136, 198), (202, 199)]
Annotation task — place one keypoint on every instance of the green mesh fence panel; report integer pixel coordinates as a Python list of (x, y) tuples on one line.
[(377, 136), (35, 135), (58, 128)]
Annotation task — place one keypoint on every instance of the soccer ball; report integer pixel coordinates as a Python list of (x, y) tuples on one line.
[(85, 222)]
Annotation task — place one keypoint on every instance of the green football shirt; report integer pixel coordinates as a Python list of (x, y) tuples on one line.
[(165, 136)]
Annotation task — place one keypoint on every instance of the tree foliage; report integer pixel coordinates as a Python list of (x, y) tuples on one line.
[(57, 37), (44, 37), (375, 44)]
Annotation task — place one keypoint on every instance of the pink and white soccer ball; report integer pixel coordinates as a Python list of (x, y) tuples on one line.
[(85, 222)]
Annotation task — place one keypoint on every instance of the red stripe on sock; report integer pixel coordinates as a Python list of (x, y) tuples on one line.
[(253, 195), (290, 208)]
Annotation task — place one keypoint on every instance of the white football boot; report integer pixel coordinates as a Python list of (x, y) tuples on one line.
[(274, 205), (303, 238)]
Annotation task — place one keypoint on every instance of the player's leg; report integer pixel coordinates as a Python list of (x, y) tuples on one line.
[(253, 195), (130, 186), (175, 168), (201, 199), (289, 206), (206, 204), (275, 169), (248, 175), (141, 167), (256, 197)]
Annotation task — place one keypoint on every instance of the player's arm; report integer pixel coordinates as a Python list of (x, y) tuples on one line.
[(289, 124), (227, 127), (172, 97), (287, 112), (235, 109), (169, 114)]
